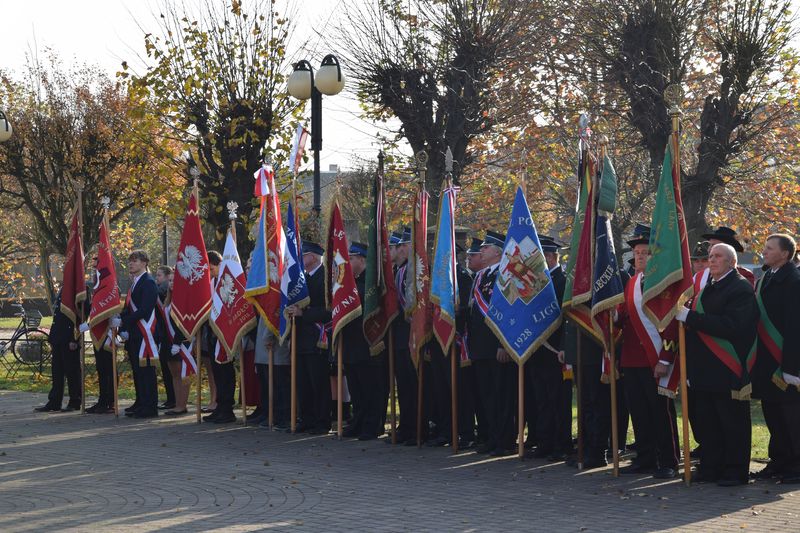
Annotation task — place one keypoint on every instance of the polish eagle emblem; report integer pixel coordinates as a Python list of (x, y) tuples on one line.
[(190, 264), (227, 289)]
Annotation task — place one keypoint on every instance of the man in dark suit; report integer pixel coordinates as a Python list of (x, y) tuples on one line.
[(495, 371), (134, 324), (312, 361), (776, 374), (364, 371), (544, 371), (720, 337), (66, 362)]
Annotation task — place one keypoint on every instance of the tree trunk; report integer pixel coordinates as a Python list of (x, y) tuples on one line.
[(44, 267)]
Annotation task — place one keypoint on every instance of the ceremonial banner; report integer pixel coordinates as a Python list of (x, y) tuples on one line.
[(419, 303), (191, 292), (524, 310), (668, 278), (264, 282), (232, 316), (341, 294), (73, 287), (298, 147), (380, 293), (105, 293), (264, 177), (608, 291), (294, 290), (444, 285)]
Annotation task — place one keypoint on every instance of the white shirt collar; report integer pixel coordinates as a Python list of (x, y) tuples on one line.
[(315, 269), (722, 276), (136, 279)]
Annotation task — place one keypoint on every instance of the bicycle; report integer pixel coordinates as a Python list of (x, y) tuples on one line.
[(29, 343)]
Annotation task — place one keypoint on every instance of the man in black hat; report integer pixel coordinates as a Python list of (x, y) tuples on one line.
[(728, 236), (776, 374), (364, 371), (312, 362), (721, 331), (494, 369), (654, 418), (544, 371)]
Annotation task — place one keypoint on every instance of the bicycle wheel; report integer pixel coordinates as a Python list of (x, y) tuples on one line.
[(32, 347)]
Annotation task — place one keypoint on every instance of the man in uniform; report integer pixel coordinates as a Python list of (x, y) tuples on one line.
[(494, 370), (699, 256), (653, 415), (364, 371), (721, 333), (312, 362), (66, 363), (140, 306), (469, 408), (728, 236), (102, 359), (776, 374)]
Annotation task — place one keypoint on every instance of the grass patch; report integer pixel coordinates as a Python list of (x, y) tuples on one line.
[(13, 322)]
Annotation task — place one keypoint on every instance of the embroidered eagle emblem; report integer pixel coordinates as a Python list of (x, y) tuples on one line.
[(227, 289), (190, 264)]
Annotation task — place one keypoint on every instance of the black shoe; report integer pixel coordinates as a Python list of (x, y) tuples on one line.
[(790, 478), (71, 407), (732, 482), (636, 468), (319, 430), (350, 432), (132, 408), (499, 452), (146, 414), (664, 473), (131, 414), (772, 470), (257, 419), (695, 454), (166, 405), (556, 457), (99, 409), (486, 447), (594, 463), (410, 442), (48, 407), (226, 418), (465, 443), (367, 436), (540, 453), (210, 418), (701, 476), (437, 442)]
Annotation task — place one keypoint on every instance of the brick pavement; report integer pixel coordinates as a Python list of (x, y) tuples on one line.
[(71, 473)]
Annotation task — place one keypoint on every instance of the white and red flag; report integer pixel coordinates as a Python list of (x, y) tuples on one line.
[(298, 147), (232, 316), (106, 300), (341, 294), (191, 292)]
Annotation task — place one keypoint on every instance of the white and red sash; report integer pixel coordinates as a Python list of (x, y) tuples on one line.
[(148, 349), (700, 280), (188, 363), (649, 336), (477, 295), (163, 311)]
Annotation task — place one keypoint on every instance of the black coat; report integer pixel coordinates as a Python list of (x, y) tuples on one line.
[(781, 297), (401, 328), (545, 356), (307, 331), (730, 313), (63, 329), (356, 347), (144, 296), (464, 290), (482, 341)]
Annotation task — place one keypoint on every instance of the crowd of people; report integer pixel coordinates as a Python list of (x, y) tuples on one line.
[(742, 335)]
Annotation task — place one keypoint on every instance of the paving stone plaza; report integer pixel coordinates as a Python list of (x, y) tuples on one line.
[(69, 472)]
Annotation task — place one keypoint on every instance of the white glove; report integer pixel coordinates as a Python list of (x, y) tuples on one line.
[(175, 349), (791, 380), (123, 335), (681, 315), (83, 328), (115, 322)]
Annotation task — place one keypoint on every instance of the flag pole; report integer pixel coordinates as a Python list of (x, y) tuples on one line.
[(578, 389), (232, 207), (612, 357), (271, 409), (79, 190), (197, 338), (339, 405), (420, 396), (105, 200), (673, 96), (392, 390), (454, 396), (520, 364), (293, 347)]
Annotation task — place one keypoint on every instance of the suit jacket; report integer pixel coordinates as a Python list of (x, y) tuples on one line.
[(356, 348), (464, 290), (545, 356), (62, 331), (307, 331), (144, 296), (401, 327), (730, 313), (482, 342), (780, 296)]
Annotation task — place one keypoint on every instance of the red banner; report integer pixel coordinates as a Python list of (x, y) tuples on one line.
[(341, 294), (191, 292), (73, 288), (419, 268), (106, 300)]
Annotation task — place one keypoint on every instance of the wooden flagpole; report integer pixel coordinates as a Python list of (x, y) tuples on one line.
[(232, 206), (105, 200), (521, 411), (271, 409), (454, 396), (392, 389), (339, 388), (79, 312), (612, 357), (198, 337), (578, 375), (293, 371), (420, 395)]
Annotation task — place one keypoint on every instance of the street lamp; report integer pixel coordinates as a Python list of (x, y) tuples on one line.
[(303, 85), (5, 128)]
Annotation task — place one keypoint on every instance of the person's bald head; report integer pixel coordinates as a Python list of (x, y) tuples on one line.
[(721, 259)]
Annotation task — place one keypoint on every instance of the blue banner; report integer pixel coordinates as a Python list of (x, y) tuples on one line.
[(607, 288), (524, 310), (444, 286), (294, 290)]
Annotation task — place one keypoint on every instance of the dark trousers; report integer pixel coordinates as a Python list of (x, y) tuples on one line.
[(166, 377), (531, 405), (564, 418), (547, 389), (405, 375), (144, 379), (366, 394), (783, 422), (65, 363), (105, 377), (282, 394), (623, 415), (724, 425), (314, 389), (596, 412), (467, 390), (654, 420), (440, 398), (225, 379), (497, 388)]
